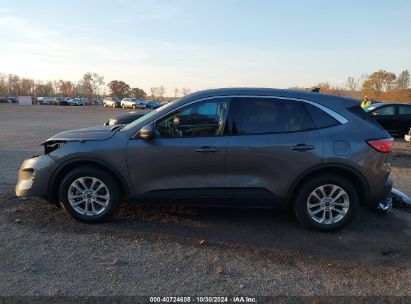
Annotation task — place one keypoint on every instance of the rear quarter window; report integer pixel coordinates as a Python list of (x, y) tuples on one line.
[(320, 118)]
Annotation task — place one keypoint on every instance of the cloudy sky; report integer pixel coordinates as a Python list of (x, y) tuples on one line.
[(205, 44)]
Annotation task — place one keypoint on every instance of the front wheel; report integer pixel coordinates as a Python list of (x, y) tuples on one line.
[(89, 194), (326, 203)]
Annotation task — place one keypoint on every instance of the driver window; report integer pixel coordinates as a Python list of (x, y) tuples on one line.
[(205, 118)]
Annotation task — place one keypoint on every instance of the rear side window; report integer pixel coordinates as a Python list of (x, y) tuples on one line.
[(320, 118), (405, 110), (269, 115)]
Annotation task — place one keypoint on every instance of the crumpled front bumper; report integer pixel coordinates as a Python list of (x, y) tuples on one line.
[(34, 176)]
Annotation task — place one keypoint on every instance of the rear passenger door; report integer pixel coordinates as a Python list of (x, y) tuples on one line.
[(404, 117), (272, 141)]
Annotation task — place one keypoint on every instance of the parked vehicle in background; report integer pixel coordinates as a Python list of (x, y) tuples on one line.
[(393, 117), (407, 136), (76, 102), (44, 100), (61, 101), (8, 99), (317, 154), (152, 104), (126, 118), (133, 103), (111, 102)]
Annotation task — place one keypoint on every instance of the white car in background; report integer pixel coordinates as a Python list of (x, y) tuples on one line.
[(407, 137), (133, 103), (76, 102)]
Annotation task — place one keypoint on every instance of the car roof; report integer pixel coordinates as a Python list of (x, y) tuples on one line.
[(331, 101)]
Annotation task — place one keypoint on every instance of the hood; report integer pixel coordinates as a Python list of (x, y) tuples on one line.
[(93, 133)]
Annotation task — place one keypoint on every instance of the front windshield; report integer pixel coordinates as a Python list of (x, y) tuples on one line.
[(148, 116)]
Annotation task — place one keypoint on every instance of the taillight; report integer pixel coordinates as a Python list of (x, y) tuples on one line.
[(381, 145)]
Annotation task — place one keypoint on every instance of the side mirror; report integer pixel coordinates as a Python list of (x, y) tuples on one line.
[(147, 132)]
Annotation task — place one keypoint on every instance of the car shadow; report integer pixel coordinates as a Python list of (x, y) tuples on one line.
[(371, 238)]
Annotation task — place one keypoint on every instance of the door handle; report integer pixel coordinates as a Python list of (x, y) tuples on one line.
[(302, 147), (207, 149)]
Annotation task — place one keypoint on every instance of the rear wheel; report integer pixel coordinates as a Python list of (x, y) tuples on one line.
[(89, 194), (326, 203)]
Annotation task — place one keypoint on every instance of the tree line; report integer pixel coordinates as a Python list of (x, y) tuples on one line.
[(90, 85), (380, 85)]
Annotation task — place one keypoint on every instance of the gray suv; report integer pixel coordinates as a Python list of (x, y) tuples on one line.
[(318, 154)]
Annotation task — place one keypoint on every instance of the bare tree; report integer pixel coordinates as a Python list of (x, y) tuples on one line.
[(158, 91), (153, 91), (161, 90), (352, 84), (97, 81), (185, 91)]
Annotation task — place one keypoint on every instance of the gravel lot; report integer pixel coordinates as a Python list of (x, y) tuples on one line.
[(159, 251)]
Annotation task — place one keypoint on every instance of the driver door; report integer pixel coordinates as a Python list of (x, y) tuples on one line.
[(186, 158)]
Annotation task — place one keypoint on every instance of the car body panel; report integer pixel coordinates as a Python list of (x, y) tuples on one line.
[(272, 157), (175, 164)]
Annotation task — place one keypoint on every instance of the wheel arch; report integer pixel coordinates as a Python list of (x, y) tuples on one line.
[(63, 169), (351, 174)]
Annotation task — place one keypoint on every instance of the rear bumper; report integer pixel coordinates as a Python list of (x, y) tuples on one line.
[(386, 189), (34, 175)]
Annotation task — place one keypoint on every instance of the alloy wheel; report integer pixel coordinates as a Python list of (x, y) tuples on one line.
[(88, 196), (328, 204)]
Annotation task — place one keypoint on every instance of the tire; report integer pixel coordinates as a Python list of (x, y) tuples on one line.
[(101, 205), (340, 212), (114, 105)]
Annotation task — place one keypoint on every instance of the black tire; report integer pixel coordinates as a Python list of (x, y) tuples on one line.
[(115, 196), (303, 194)]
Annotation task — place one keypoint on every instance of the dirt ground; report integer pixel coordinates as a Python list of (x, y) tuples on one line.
[(185, 251)]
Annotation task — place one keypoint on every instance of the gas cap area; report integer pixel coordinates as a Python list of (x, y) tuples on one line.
[(341, 148)]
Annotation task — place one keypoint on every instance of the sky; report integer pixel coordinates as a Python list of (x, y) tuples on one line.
[(204, 44)]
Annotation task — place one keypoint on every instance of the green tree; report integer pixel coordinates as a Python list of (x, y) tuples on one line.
[(137, 93), (119, 88), (403, 80)]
